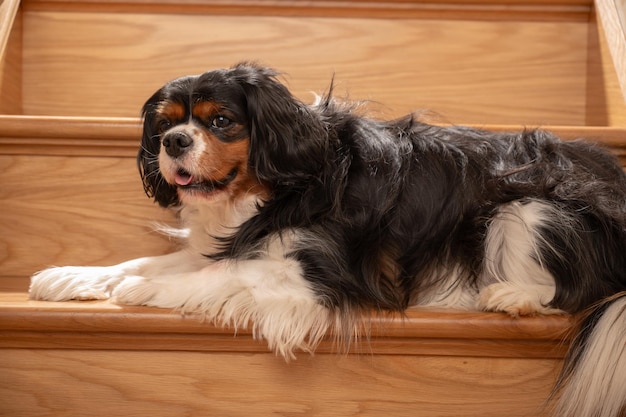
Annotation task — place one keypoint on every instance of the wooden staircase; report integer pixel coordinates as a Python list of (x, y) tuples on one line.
[(73, 76), (98, 359)]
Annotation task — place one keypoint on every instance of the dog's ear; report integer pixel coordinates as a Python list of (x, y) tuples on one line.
[(154, 183), (288, 141)]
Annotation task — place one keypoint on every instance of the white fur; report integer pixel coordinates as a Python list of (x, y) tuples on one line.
[(97, 282), (596, 387), (168, 166), (514, 281), (220, 218), (448, 292), (269, 292)]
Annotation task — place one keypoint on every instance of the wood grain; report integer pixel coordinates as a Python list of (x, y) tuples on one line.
[(606, 103), (74, 210), (100, 324), (468, 71), (612, 14), (10, 57), (8, 12), (389, 9), (96, 383), (90, 209), (70, 194), (69, 136), (77, 358), (120, 136), (441, 56)]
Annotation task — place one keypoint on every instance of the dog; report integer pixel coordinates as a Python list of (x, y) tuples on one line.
[(303, 219)]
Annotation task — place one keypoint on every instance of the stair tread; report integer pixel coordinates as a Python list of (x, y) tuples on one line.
[(101, 324)]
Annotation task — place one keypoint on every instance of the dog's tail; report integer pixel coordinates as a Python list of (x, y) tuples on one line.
[(593, 380)]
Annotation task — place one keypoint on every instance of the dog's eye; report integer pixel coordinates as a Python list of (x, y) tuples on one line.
[(163, 125), (221, 122)]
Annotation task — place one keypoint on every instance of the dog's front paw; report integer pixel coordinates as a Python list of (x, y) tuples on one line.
[(74, 283), (171, 291), (164, 292), (137, 291)]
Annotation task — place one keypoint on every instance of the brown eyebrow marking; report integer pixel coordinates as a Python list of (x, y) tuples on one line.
[(205, 109), (172, 111)]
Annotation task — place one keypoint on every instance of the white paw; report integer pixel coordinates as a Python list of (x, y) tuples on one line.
[(188, 292), (172, 291), (517, 300), (75, 283), (136, 291)]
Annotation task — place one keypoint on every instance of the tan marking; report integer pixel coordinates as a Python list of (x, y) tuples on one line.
[(172, 111), (219, 158), (204, 110)]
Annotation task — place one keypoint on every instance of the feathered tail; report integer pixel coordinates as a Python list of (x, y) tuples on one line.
[(593, 380)]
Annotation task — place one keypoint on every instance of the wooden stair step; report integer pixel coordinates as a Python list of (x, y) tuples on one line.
[(66, 358), (422, 331)]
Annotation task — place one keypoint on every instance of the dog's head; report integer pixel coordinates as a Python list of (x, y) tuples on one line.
[(227, 132)]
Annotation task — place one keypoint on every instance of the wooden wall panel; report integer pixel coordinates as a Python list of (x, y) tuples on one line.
[(8, 12), (606, 103), (64, 200), (111, 383), (10, 58), (74, 210), (612, 17), (516, 72)]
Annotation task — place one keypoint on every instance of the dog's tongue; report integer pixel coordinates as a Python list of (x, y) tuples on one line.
[(183, 178)]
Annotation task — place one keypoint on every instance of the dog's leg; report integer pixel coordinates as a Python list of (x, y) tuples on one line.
[(514, 280), (268, 293), (97, 282)]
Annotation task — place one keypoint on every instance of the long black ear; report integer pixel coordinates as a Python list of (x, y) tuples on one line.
[(288, 141), (148, 157)]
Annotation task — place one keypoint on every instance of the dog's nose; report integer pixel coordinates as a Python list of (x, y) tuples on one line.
[(177, 143)]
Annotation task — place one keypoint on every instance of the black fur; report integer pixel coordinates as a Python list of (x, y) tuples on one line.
[(385, 210), (388, 206), (148, 156)]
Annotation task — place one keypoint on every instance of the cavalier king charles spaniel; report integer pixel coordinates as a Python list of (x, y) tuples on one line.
[(301, 220)]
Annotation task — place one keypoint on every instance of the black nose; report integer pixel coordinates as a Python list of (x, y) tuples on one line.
[(177, 143)]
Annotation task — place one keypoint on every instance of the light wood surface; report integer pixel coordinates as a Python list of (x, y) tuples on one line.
[(536, 10), (516, 72), (75, 210), (612, 14), (94, 358), (606, 105), (419, 331), (70, 194), (120, 136), (10, 57), (531, 62), (172, 384), (8, 12)]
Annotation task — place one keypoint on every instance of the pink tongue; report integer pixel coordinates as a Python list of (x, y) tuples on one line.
[(183, 179)]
